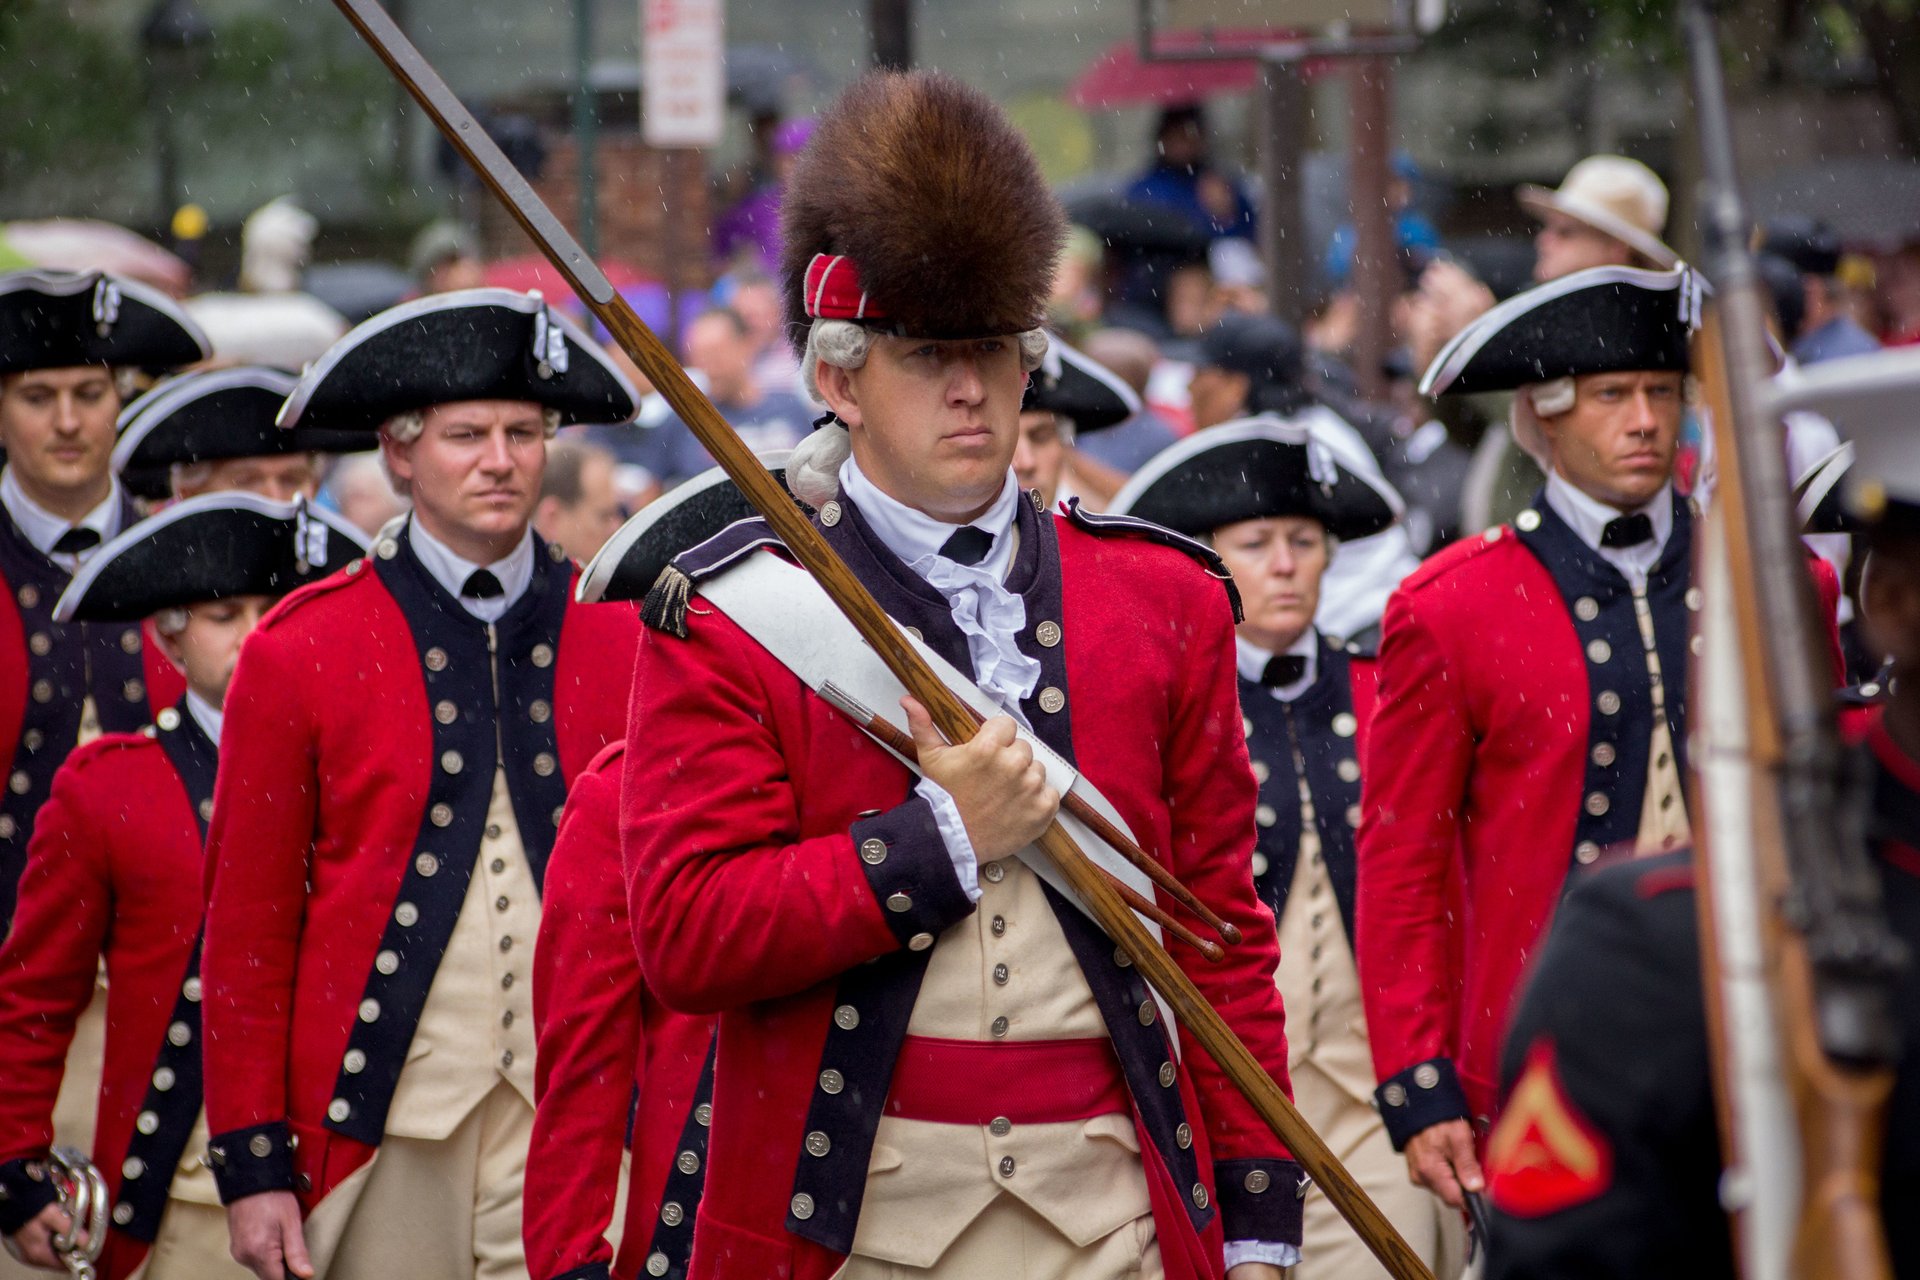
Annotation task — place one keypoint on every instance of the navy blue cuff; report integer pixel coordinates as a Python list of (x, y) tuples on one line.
[(1425, 1094), (1260, 1199), (592, 1271), (246, 1162), (25, 1189), (910, 872)]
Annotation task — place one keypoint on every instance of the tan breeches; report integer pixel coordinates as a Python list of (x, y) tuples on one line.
[(447, 1208), (1329, 1249), (1009, 1241), (75, 1107), (192, 1245)]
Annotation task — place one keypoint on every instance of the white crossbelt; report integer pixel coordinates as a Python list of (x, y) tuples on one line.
[(788, 613)]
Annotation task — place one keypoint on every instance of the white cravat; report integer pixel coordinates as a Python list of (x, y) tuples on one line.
[(1587, 516), (515, 571), (1252, 661), (43, 528), (206, 715)]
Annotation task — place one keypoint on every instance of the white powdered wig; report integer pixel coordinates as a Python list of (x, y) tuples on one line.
[(1531, 404), (813, 471), (405, 428)]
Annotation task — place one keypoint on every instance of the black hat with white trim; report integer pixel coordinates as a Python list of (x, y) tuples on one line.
[(627, 567), (209, 548), (1080, 389), (63, 319), (1816, 494), (473, 344), (1874, 402), (1601, 320), (1255, 469), (216, 414)]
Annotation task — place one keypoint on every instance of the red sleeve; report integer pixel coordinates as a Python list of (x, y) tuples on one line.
[(48, 964), (1211, 796), (1418, 757), (586, 1014), (258, 849), (712, 840), (1826, 586)]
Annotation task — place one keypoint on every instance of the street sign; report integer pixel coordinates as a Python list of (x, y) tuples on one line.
[(683, 72)]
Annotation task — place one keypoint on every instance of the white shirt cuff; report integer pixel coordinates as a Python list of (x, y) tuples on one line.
[(1271, 1253), (953, 831)]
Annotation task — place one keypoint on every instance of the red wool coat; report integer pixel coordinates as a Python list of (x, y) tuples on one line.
[(744, 804), (608, 1050), (332, 757), (114, 871)]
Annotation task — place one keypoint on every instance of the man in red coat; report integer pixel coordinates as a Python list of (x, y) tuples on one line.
[(1532, 706), (929, 1061), (114, 874), (65, 340), (1274, 497), (399, 743)]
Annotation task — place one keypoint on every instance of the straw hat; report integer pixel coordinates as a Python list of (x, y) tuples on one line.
[(1612, 194)]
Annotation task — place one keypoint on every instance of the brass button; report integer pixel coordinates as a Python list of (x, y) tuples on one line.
[(445, 712), (1047, 633), (506, 1019), (369, 1010), (688, 1162), (498, 864), (506, 944), (1608, 702), (1527, 521), (8, 827), (1052, 699), (558, 810), (1586, 608), (206, 810), (1000, 1127), (846, 1017), (1427, 1076), (1168, 1074), (1007, 1166), (1599, 651), (1353, 816), (540, 711), (179, 1035), (261, 1146), (1121, 958), (387, 962), (163, 1079), (829, 516), (147, 1122), (133, 1167), (43, 691), (506, 982), (133, 690), (122, 1214), (1604, 754), (1183, 1136), (1257, 1181), (1259, 864), (168, 719), (999, 1027), (500, 903), (994, 872), (1693, 599), (1344, 725), (436, 659), (657, 1263), (999, 926), (915, 633), (672, 1214), (1598, 804), (41, 643), (920, 942), (801, 1206), (1265, 815), (544, 764), (338, 1110), (29, 596), (452, 762), (355, 1062), (130, 640), (19, 783), (1586, 852), (873, 851), (542, 655), (898, 902), (386, 548), (427, 865), (1394, 1095), (1246, 727), (1148, 1013), (818, 1143), (1349, 770), (1001, 975), (506, 1059), (406, 915), (1199, 1195), (1260, 771), (831, 1081), (441, 815), (703, 1115)]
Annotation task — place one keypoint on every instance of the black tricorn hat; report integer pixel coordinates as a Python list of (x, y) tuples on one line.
[(1601, 320), (1816, 495), (215, 414), (1873, 400), (59, 319), (935, 201), (627, 567), (472, 344), (209, 548), (1079, 389), (1255, 469)]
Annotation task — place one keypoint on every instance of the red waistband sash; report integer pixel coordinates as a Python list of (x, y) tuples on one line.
[(1025, 1081)]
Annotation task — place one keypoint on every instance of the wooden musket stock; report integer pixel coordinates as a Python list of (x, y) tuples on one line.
[(950, 715)]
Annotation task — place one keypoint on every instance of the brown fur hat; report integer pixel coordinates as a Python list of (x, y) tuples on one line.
[(935, 197)]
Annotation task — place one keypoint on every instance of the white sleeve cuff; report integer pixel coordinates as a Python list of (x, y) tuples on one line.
[(946, 817), (1271, 1253)]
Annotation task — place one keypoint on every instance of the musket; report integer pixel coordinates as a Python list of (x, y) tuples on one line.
[(1797, 958), (949, 714)]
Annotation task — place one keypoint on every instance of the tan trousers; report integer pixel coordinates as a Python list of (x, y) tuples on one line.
[(77, 1104), (447, 1208), (192, 1246), (1329, 1248), (1009, 1241)]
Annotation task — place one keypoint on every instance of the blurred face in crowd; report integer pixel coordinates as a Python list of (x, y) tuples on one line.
[(1217, 395), (1277, 563), (758, 303), (475, 473), (280, 476), (934, 423), (1564, 245), (1041, 454), (57, 426), (1617, 443), (717, 347), (1183, 142), (206, 649), (462, 272), (583, 527)]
